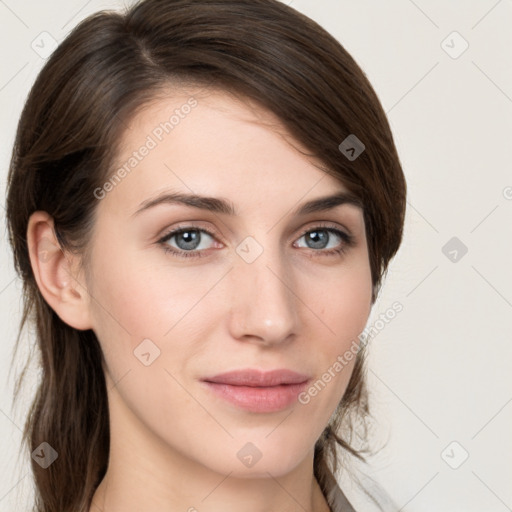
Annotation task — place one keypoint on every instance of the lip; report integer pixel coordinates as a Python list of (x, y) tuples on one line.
[(258, 391)]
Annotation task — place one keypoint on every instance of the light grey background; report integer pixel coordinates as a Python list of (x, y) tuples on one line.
[(440, 370)]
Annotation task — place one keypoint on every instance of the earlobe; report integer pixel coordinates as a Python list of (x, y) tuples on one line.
[(55, 271)]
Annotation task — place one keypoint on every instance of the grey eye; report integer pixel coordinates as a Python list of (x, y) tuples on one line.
[(190, 239), (320, 239)]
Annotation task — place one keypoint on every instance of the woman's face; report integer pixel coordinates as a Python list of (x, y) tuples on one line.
[(254, 281)]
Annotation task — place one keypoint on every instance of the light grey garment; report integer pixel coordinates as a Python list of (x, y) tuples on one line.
[(336, 499), (380, 499)]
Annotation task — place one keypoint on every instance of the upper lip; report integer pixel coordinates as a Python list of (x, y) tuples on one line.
[(258, 378)]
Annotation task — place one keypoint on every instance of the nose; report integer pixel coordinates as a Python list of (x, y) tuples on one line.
[(263, 302)]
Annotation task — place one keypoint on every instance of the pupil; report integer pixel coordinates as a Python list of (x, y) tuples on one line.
[(188, 240), (319, 239)]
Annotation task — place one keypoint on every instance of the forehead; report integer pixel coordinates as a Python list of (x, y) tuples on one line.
[(214, 143)]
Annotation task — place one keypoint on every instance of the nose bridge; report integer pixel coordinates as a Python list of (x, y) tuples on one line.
[(264, 305)]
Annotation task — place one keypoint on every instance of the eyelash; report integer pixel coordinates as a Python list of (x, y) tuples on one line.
[(348, 241)]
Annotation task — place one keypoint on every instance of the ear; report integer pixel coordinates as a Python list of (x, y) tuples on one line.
[(56, 273)]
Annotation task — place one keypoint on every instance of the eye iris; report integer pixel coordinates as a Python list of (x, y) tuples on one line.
[(188, 239), (318, 238)]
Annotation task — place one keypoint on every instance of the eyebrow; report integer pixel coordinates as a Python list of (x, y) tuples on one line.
[(219, 205)]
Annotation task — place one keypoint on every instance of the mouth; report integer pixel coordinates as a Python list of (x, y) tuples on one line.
[(257, 391)]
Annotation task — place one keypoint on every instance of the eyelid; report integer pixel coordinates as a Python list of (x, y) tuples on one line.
[(178, 253), (200, 225), (326, 225), (191, 225), (348, 240)]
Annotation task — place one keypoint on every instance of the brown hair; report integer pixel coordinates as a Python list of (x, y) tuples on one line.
[(111, 65)]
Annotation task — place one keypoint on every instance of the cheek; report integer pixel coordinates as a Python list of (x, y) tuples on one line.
[(133, 300), (344, 304)]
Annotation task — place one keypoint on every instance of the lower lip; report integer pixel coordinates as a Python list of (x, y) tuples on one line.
[(258, 399)]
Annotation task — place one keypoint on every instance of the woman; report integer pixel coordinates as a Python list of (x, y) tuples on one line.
[(202, 202)]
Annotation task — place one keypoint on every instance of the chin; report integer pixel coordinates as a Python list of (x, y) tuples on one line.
[(263, 470), (258, 459)]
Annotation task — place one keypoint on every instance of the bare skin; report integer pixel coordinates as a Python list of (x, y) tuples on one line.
[(298, 305)]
